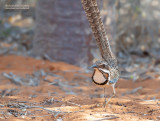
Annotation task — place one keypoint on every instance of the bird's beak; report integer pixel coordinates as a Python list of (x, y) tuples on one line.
[(93, 66)]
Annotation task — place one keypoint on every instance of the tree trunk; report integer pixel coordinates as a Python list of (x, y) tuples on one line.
[(62, 32)]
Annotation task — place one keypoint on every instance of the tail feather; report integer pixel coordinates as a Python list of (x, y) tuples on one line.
[(94, 18)]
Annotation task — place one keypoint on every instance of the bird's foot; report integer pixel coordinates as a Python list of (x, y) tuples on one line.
[(106, 102)]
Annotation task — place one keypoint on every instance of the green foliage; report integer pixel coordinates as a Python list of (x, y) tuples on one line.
[(1, 22), (5, 33), (138, 9)]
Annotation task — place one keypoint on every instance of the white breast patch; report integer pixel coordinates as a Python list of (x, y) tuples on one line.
[(98, 77), (106, 71)]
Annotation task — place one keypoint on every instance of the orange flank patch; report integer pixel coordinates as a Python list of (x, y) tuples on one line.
[(106, 76)]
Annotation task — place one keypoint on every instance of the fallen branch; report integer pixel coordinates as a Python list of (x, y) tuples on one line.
[(74, 104), (132, 91), (23, 106), (17, 80)]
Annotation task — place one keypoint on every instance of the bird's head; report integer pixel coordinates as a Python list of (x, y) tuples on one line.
[(100, 65)]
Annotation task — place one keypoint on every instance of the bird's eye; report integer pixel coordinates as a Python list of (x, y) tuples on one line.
[(103, 65)]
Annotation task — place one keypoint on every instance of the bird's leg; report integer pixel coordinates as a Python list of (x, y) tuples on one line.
[(104, 97), (113, 94)]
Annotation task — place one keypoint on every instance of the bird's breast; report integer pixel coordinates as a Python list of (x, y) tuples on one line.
[(98, 78)]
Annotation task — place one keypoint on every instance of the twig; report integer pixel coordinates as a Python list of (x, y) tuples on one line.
[(42, 115), (28, 107), (9, 92), (47, 57), (14, 78), (2, 105), (23, 106), (151, 100), (4, 115), (133, 91), (31, 80), (108, 118), (74, 104)]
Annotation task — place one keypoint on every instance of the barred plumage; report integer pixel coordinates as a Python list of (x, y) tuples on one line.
[(94, 18), (106, 72)]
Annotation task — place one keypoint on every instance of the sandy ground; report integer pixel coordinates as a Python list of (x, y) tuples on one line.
[(65, 92)]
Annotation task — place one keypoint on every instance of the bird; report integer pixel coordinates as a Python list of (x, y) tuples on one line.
[(104, 75), (106, 71)]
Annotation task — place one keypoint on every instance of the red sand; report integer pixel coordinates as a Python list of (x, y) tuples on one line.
[(74, 98)]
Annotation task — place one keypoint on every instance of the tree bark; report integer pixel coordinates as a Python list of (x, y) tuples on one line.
[(62, 32)]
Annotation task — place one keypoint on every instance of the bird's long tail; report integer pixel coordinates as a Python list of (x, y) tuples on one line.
[(94, 18)]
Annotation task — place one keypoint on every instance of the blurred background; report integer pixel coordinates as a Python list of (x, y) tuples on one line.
[(58, 30), (46, 47)]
